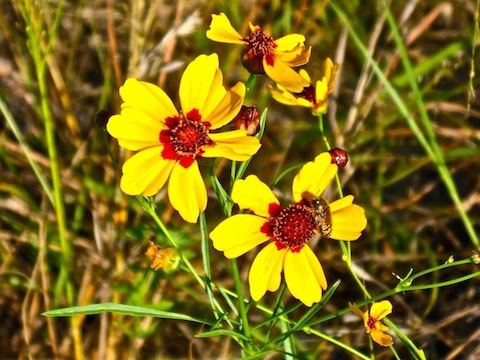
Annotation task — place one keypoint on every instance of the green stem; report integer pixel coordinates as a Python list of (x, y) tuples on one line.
[(241, 302), (346, 249), (26, 150), (206, 262), (149, 207), (428, 142), (250, 84)]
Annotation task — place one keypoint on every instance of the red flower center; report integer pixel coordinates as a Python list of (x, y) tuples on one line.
[(185, 137), (260, 43), (259, 46), (292, 227), (309, 94), (371, 322)]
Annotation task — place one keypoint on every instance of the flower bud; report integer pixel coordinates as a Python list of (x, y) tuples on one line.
[(476, 256), (101, 117), (339, 157), (248, 119)]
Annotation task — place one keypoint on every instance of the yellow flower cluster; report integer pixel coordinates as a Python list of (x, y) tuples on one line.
[(169, 141)]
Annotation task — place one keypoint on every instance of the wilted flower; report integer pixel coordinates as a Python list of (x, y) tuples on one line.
[(312, 96), (166, 259)]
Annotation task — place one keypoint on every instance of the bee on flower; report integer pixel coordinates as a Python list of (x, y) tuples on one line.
[(265, 55), (169, 142), (313, 96), (288, 230)]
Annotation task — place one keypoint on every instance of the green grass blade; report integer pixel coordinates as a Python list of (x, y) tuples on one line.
[(130, 310)]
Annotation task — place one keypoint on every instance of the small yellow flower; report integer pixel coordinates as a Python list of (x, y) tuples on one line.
[(371, 320), (288, 231), (263, 54), (313, 97), (168, 142), (167, 259)]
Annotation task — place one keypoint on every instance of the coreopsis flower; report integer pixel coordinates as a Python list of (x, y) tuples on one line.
[(166, 259), (265, 55), (288, 230), (371, 319), (313, 96), (169, 142)]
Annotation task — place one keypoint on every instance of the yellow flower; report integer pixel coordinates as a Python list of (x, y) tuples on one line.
[(288, 230), (167, 259), (313, 97), (170, 141), (263, 54), (371, 320)]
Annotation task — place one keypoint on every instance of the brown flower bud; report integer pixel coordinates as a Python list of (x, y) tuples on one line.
[(247, 119), (101, 117), (339, 157)]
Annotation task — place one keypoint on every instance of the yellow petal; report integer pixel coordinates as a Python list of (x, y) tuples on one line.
[(285, 76), (265, 273), (134, 130), (355, 309), (314, 177), (381, 338), (254, 195), (221, 30), (216, 93), (238, 234), (300, 279), (199, 80), (321, 90), (145, 172), (290, 42), (348, 220), (187, 192), (148, 99), (220, 111), (331, 71), (381, 309), (283, 96), (292, 51), (316, 267), (303, 73), (233, 145)]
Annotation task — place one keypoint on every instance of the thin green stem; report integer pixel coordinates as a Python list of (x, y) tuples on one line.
[(241, 303), (428, 142), (250, 84), (26, 150), (206, 262), (346, 249), (149, 207)]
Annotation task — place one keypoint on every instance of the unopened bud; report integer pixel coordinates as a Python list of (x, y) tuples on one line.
[(248, 119), (101, 117), (339, 157), (476, 256)]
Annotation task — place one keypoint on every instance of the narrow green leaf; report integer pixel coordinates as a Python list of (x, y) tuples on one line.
[(130, 310)]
